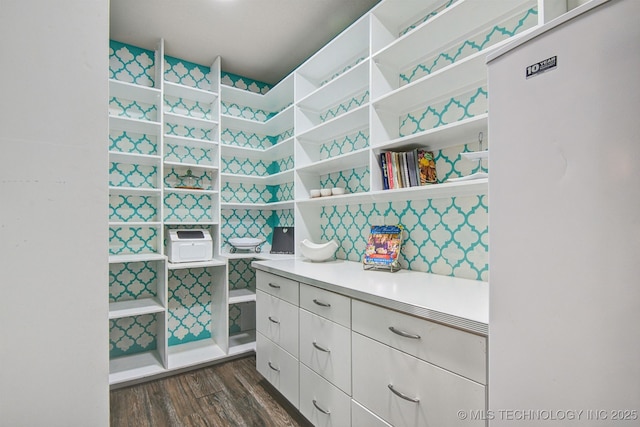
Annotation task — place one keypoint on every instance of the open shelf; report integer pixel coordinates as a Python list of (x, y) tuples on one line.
[(134, 308), (194, 353), (188, 92), (113, 259), (242, 342), (198, 264), (134, 367), (237, 296)]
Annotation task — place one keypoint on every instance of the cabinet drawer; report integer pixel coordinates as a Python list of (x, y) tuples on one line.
[(277, 320), (322, 403), (326, 304), (278, 286), (458, 351), (362, 417), (325, 347), (278, 367), (440, 394)]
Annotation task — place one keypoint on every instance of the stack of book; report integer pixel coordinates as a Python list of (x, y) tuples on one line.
[(407, 168)]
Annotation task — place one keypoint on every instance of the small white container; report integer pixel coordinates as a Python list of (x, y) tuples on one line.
[(325, 192), (315, 193), (337, 191)]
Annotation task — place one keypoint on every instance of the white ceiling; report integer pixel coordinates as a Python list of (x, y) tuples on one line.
[(261, 39)]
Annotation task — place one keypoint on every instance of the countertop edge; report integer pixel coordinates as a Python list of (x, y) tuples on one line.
[(448, 319)]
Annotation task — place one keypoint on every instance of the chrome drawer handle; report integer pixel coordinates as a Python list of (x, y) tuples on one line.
[(273, 367), (326, 350), (402, 395), (274, 286), (324, 411), (322, 304), (272, 320), (404, 334)]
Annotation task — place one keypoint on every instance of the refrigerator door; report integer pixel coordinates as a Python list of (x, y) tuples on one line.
[(564, 220)]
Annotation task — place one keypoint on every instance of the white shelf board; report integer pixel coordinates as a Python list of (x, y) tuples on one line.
[(457, 133), (188, 92), (191, 142), (276, 125), (134, 125), (349, 83), (281, 149), (275, 99), (259, 206), (136, 366), (136, 307), (134, 159), (459, 21), (190, 223), (134, 92), (357, 118), (190, 121), (238, 296), (194, 353), (256, 255), (191, 165), (344, 47), (135, 224), (444, 190), (354, 159), (460, 76), (188, 191), (273, 179), (132, 191), (117, 259), (396, 15), (198, 264), (242, 342), (336, 126)]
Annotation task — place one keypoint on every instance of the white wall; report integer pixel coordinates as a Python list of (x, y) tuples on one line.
[(53, 213)]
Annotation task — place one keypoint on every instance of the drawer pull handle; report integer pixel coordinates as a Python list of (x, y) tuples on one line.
[(274, 286), (273, 367), (403, 333), (322, 304), (326, 350), (272, 320), (402, 395), (324, 411)]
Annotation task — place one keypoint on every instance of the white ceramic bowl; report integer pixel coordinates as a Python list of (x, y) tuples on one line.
[(244, 242), (337, 191), (318, 251), (314, 193), (325, 192)]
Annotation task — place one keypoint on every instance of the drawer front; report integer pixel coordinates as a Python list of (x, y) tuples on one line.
[(332, 408), (278, 367), (278, 286), (277, 320), (440, 394), (326, 304), (458, 351), (325, 347), (362, 417)]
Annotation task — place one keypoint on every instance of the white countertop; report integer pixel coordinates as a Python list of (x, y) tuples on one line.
[(461, 303)]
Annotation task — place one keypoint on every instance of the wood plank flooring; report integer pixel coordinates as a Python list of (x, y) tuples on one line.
[(227, 394)]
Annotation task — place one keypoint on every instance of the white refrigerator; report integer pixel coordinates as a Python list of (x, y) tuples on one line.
[(564, 222)]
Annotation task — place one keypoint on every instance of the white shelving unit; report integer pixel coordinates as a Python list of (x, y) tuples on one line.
[(335, 114)]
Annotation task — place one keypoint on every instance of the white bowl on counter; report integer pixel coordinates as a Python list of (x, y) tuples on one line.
[(318, 251), (325, 192)]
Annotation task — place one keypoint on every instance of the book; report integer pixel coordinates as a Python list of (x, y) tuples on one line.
[(392, 182), (385, 173), (383, 247), (411, 166), (405, 169), (427, 167)]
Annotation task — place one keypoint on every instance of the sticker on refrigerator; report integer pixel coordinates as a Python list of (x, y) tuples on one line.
[(542, 66)]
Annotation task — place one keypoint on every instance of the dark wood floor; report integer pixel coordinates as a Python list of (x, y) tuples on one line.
[(227, 394)]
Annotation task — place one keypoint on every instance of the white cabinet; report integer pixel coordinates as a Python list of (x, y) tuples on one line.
[(321, 402), (277, 333), (407, 391)]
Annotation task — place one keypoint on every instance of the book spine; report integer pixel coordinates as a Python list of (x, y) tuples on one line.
[(397, 173), (405, 169), (385, 173), (392, 182), (411, 168)]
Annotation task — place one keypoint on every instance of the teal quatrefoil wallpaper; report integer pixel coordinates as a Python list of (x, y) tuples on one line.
[(447, 236)]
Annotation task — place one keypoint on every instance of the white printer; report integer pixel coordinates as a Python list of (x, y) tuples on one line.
[(190, 245)]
